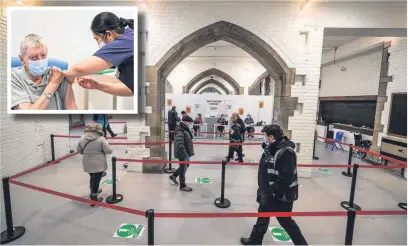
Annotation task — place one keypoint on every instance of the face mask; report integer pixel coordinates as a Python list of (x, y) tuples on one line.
[(37, 68), (101, 44)]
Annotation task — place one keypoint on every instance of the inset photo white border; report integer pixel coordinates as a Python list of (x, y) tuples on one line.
[(58, 30)]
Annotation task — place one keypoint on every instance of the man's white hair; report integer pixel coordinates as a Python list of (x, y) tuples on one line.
[(30, 41)]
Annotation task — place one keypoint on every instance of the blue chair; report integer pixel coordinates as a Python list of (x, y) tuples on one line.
[(52, 62), (338, 138)]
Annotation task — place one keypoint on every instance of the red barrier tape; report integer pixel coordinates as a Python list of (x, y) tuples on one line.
[(220, 133), (404, 164), (42, 166), (65, 136), (80, 199), (150, 143)]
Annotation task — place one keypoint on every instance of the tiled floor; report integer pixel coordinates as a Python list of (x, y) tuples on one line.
[(54, 220)]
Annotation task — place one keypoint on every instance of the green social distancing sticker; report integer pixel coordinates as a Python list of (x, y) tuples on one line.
[(109, 181), (300, 185), (129, 231), (279, 234), (204, 180), (324, 170)]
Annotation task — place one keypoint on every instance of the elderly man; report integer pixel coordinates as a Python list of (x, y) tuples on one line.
[(35, 86)]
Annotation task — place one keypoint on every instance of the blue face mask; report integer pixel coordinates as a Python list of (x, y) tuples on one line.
[(38, 68)]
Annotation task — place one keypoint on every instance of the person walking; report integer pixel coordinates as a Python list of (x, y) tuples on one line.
[(278, 186), (172, 122), (197, 123), (235, 137), (183, 151), (243, 129), (94, 148), (103, 120)]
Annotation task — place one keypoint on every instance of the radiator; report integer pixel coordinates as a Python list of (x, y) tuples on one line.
[(394, 147)]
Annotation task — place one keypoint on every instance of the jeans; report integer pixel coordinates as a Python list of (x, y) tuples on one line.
[(95, 179), (287, 223), (181, 171)]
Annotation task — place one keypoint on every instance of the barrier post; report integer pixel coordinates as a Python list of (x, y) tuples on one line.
[(11, 233), (222, 202), (351, 218), (114, 198), (350, 156), (314, 146), (403, 205), (52, 147), (170, 169), (150, 226), (350, 203)]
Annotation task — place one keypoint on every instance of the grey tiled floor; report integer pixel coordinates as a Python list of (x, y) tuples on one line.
[(54, 220)]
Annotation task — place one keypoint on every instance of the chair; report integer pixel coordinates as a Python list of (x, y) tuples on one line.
[(338, 138), (52, 62)]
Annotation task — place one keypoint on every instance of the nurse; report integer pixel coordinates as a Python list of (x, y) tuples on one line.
[(115, 39)]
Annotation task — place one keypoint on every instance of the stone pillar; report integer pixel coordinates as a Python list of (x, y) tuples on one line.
[(267, 86)]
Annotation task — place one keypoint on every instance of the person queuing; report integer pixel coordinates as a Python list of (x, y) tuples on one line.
[(235, 136), (172, 122), (94, 148), (115, 39), (243, 129), (103, 120), (186, 118), (248, 121), (221, 127), (183, 151), (197, 122), (278, 186)]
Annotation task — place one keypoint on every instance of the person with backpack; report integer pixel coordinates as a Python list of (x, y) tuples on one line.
[(94, 148), (197, 123), (235, 137), (278, 186)]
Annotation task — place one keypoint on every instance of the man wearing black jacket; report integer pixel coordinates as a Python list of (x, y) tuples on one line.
[(278, 186), (172, 121), (243, 129)]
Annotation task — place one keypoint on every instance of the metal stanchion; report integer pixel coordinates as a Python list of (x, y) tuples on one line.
[(170, 169), (350, 156), (150, 226), (11, 233), (403, 205), (351, 218), (314, 146), (52, 148), (350, 204), (222, 202), (114, 198)]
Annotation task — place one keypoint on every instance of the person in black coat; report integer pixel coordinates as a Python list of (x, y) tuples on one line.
[(186, 118), (172, 121), (278, 186), (235, 136), (242, 129)]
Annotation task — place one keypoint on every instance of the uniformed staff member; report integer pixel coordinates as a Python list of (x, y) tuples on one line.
[(115, 39), (278, 186)]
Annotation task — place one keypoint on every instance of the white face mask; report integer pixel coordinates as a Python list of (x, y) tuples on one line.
[(101, 44)]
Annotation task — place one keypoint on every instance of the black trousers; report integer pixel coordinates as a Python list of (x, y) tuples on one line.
[(109, 130), (287, 223), (196, 129), (233, 149), (171, 134), (181, 171), (95, 179)]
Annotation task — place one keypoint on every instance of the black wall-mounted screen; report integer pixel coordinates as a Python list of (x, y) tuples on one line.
[(398, 117), (356, 113)]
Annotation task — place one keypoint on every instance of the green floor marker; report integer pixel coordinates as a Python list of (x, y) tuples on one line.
[(300, 185), (109, 181), (129, 231), (324, 170), (279, 234), (204, 180)]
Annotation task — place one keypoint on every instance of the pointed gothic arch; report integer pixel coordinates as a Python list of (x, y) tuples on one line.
[(207, 73), (210, 89), (211, 81)]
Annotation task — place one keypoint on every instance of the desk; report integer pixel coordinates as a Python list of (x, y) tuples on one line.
[(217, 134), (257, 129)]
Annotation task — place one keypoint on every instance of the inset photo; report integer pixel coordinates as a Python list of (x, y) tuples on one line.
[(65, 60)]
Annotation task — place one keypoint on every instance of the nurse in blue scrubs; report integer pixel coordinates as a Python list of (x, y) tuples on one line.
[(115, 39)]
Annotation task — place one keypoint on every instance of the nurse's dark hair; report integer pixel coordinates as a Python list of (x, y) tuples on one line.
[(107, 21)]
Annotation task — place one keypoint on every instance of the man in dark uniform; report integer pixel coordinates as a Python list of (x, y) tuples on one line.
[(278, 186), (172, 121)]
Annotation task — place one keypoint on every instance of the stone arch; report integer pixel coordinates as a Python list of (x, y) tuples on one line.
[(211, 81), (209, 72), (169, 87), (284, 104), (211, 89), (257, 82)]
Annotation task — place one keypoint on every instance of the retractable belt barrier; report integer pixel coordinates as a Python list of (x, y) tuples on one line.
[(352, 210)]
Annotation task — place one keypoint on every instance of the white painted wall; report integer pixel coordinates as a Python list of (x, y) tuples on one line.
[(250, 104), (68, 37), (397, 69), (245, 72)]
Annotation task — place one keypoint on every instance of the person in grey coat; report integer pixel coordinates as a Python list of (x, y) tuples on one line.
[(94, 147), (183, 150)]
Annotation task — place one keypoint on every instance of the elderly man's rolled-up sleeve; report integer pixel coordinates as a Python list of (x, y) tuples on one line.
[(18, 93)]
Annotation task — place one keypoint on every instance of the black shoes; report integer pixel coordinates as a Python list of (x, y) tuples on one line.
[(174, 179), (103, 174), (95, 198), (248, 241)]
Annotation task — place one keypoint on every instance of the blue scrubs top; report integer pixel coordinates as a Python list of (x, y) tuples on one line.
[(120, 53)]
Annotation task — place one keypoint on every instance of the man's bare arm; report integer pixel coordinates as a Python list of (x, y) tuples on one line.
[(70, 102)]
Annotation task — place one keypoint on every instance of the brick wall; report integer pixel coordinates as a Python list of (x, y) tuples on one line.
[(25, 139), (397, 69)]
